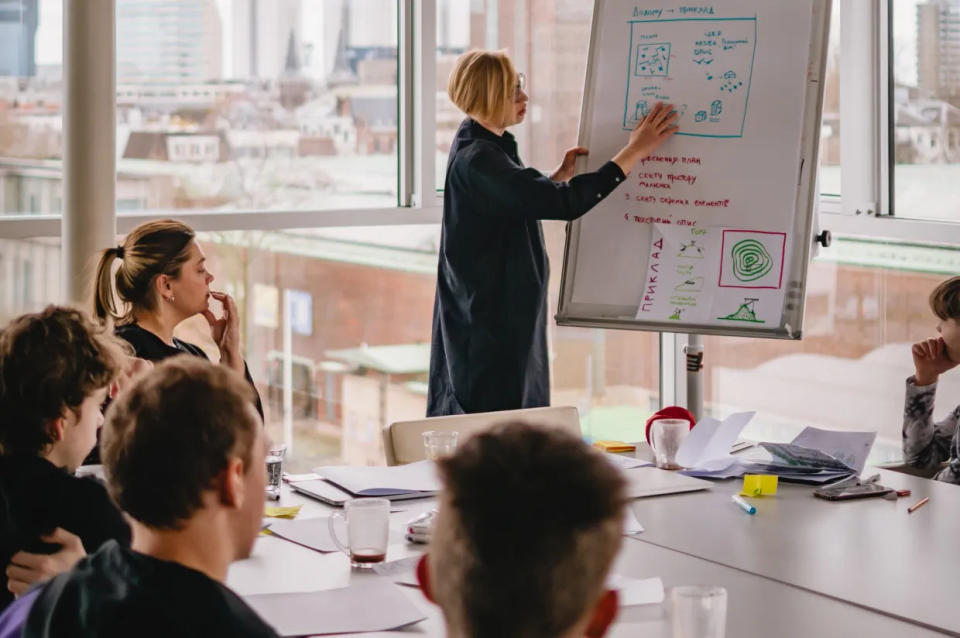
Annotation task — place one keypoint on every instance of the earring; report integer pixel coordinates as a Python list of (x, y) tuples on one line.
[(170, 299)]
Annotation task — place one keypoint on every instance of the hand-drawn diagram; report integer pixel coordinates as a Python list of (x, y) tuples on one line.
[(679, 285), (706, 64), (653, 60), (752, 259), (690, 250), (690, 284), (747, 312)]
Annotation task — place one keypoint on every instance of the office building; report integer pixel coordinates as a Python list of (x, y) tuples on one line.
[(938, 49), (18, 32), (262, 30), (168, 41)]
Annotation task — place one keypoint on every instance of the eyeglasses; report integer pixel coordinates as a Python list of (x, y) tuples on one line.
[(520, 86)]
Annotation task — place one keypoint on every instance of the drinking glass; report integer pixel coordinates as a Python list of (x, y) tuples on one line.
[(275, 456), (437, 444), (368, 529), (699, 611), (666, 435)]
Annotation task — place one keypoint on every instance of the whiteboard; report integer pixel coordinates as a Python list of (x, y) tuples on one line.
[(713, 232)]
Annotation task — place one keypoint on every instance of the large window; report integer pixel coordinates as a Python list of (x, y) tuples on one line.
[(30, 115), (336, 330), (926, 108), (29, 275), (257, 104), (830, 127), (547, 43)]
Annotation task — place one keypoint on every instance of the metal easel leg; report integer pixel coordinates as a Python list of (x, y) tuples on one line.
[(694, 354)]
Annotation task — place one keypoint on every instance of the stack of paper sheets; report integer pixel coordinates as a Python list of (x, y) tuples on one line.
[(800, 464), (706, 450), (815, 456)]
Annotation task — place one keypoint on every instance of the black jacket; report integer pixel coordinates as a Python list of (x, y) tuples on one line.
[(119, 593), (152, 348), (36, 497), (489, 349), (149, 346)]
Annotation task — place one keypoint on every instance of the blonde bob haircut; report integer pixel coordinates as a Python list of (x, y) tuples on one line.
[(482, 85)]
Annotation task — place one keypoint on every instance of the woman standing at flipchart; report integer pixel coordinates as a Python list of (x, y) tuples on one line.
[(489, 349)]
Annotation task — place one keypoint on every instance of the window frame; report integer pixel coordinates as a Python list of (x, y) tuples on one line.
[(865, 208)]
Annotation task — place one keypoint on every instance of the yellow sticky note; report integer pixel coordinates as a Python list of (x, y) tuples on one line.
[(614, 446), (282, 512), (759, 485)]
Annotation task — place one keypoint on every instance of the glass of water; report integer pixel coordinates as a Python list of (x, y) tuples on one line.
[(699, 611), (275, 456), (437, 444)]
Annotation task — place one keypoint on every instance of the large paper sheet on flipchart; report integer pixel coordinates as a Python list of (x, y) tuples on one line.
[(735, 183)]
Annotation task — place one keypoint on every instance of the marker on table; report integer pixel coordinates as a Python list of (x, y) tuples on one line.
[(742, 504), (918, 505)]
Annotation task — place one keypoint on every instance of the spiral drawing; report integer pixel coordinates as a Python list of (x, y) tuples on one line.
[(751, 261)]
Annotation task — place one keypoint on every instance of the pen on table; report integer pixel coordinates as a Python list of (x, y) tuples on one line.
[(742, 504), (918, 505)]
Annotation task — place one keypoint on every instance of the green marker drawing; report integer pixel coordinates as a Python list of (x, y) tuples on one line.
[(691, 250), (745, 312), (691, 284), (751, 261)]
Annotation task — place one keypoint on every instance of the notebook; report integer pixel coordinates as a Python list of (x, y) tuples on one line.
[(330, 494), (399, 483)]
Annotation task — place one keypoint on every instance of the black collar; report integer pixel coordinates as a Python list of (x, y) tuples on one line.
[(471, 129)]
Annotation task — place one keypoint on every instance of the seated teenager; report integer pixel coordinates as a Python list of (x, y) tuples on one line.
[(928, 444), (55, 371), (529, 522), (162, 280), (195, 496)]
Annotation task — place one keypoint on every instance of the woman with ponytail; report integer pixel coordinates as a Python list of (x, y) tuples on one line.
[(162, 280)]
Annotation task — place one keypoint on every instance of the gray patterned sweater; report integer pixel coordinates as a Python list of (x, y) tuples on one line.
[(928, 443)]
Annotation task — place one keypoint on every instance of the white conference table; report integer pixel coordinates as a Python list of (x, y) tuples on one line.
[(867, 552), (757, 606)]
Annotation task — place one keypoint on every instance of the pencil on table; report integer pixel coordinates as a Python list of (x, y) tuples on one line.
[(918, 505)]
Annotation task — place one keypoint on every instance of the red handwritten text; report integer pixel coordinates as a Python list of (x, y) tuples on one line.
[(670, 159), (712, 203), (686, 179), (650, 292), (656, 219)]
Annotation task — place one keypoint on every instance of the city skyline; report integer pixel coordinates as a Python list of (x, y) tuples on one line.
[(50, 33), (314, 27)]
